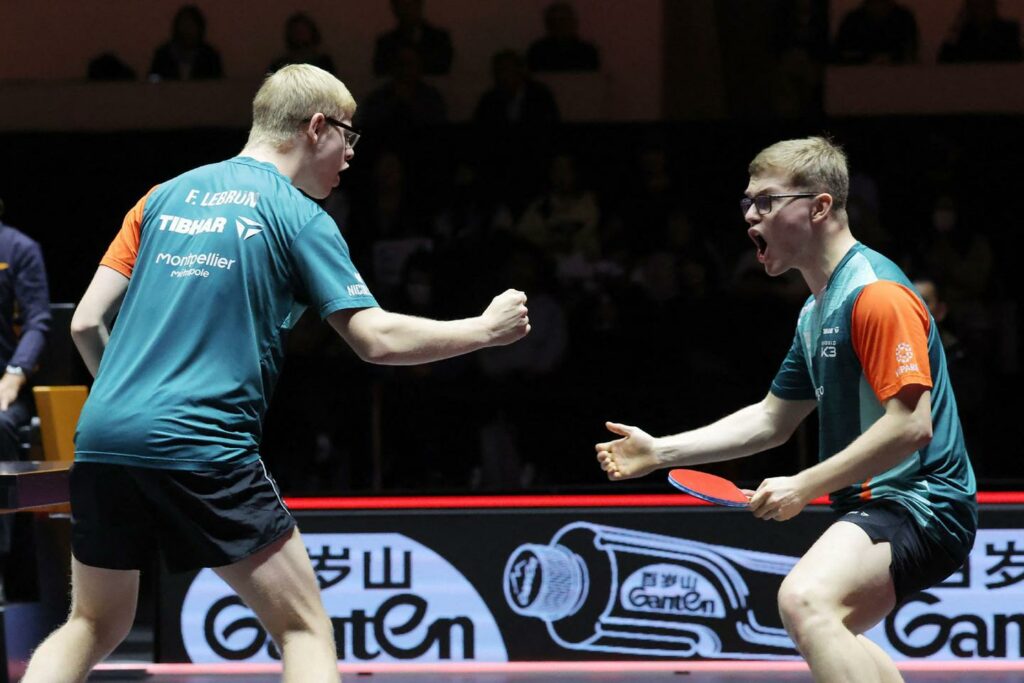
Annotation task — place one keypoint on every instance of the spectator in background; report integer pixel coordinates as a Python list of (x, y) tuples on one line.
[(878, 31), (433, 45), (516, 122), (561, 48), (957, 255), (24, 325), (801, 37), (522, 392), (302, 45), (515, 99), (563, 222), (187, 57), (405, 101), (980, 35)]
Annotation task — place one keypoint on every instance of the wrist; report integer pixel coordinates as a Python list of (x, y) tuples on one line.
[(808, 484), (664, 454)]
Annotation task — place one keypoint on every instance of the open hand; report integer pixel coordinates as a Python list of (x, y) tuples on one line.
[(629, 457), (507, 319)]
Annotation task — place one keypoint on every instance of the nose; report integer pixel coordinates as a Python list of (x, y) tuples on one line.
[(752, 217)]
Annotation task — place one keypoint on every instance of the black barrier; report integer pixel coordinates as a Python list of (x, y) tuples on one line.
[(575, 584)]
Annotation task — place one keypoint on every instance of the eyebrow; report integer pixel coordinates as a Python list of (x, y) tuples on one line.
[(770, 189)]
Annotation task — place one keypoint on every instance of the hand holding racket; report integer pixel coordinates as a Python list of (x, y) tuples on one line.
[(629, 457), (780, 498)]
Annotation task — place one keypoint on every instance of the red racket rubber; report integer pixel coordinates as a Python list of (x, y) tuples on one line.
[(709, 487)]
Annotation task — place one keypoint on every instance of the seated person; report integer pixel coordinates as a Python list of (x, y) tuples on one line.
[(302, 44), (561, 48), (515, 98), (878, 31), (981, 35), (405, 101), (187, 56), (434, 45)]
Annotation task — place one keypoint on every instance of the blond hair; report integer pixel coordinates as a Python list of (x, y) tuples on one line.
[(293, 94), (814, 163)]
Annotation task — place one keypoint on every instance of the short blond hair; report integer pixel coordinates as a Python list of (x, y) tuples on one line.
[(292, 94), (814, 163)]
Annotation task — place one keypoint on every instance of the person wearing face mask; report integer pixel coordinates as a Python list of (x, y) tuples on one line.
[(868, 357), (206, 275)]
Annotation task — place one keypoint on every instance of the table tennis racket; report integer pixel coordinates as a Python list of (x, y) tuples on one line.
[(709, 487)]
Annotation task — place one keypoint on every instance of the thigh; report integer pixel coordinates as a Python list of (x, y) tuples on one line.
[(279, 585), (850, 574), (110, 524), (108, 596)]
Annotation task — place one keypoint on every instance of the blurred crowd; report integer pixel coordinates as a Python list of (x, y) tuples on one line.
[(647, 302)]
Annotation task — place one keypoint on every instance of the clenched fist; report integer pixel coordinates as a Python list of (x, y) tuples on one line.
[(506, 318)]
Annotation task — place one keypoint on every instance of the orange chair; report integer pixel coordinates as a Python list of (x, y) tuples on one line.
[(58, 409)]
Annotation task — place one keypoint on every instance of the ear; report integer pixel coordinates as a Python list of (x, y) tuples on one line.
[(822, 207), (315, 128)]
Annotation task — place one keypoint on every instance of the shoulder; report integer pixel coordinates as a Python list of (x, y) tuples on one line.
[(886, 299)]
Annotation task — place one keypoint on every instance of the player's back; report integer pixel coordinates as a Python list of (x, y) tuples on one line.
[(197, 345)]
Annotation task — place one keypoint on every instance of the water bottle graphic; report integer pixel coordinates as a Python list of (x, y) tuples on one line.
[(605, 589)]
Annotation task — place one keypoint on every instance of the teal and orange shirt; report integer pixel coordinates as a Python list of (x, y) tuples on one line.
[(221, 262), (864, 339)]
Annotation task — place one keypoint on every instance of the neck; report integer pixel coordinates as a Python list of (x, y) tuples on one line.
[(835, 246), (286, 161)]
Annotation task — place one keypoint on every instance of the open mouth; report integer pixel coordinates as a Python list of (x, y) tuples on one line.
[(759, 241)]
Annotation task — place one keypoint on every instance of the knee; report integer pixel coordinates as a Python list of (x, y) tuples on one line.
[(803, 609), (108, 628)]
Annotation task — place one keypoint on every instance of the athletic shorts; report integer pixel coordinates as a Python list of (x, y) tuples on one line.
[(918, 561), (123, 517)]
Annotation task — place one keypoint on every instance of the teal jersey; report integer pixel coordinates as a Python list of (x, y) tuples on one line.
[(221, 262), (868, 336)]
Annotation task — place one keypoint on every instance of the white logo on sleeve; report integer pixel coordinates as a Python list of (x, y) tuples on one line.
[(905, 358), (247, 228)]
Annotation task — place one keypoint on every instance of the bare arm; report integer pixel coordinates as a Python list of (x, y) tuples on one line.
[(749, 430), (90, 326), (387, 338), (905, 427)]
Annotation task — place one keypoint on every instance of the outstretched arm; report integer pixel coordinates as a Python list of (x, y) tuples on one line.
[(749, 430), (90, 326), (387, 338)]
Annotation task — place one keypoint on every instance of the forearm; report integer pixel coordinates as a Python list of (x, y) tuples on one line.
[(745, 432), (889, 441), (396, 339), (91, 340)]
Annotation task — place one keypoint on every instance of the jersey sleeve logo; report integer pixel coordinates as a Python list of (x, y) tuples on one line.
[(904, 353)]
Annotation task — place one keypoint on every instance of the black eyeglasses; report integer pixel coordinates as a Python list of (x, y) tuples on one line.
[(350, 134), (763, 202)]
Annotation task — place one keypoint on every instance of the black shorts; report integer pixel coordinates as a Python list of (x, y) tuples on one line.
[(123, 517), (918, 561)]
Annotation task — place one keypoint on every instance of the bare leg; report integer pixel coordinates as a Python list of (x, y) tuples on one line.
[(838, 590), (278, 584), (887, 671), (102, 611)]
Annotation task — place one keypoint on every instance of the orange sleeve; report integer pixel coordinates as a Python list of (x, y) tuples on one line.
[(889, 328), (124, 250)]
